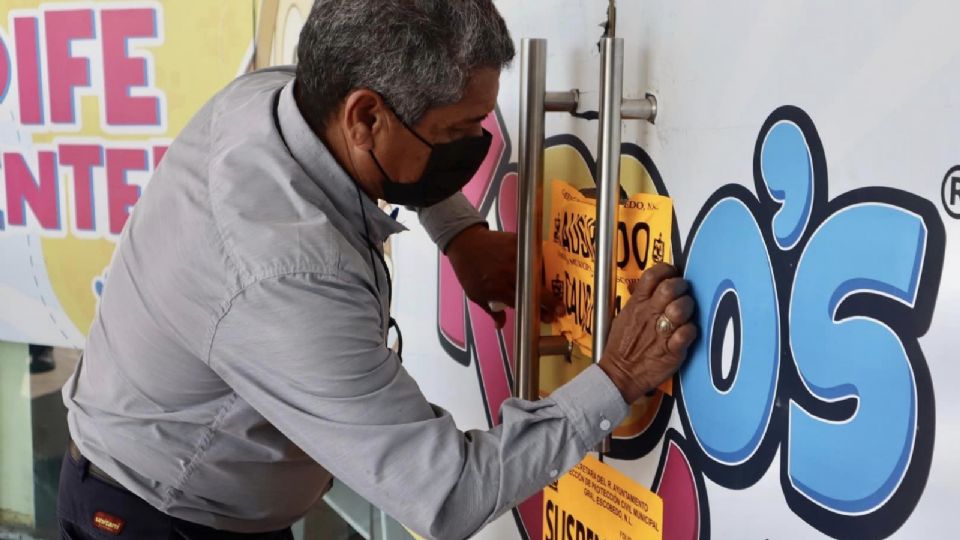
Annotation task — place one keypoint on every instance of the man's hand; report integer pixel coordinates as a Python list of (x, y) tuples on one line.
[(485, 262), (643, 351)]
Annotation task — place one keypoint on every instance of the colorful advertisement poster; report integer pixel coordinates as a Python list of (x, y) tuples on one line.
[(815, 232), (91, 95)]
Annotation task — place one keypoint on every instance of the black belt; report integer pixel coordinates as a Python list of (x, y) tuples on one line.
[(92, 469)]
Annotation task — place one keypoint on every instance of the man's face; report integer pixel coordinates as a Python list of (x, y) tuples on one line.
[(404, 156)]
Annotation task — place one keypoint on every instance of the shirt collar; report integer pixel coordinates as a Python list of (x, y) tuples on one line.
[(323, 168)]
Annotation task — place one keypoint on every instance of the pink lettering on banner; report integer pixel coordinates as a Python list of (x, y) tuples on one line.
[(121, 72), (5, 73), (677, 486), (23, 190), (492, 348), (450, 296), (82, 158), (452, 319), (452, 300), (507, 214), (530, 510), (26, 37), (493, 366), (158, 153), (66, 72), (477, 190), (121, 195), (507, 202)]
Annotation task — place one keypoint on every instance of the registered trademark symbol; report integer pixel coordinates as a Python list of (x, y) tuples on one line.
[(950, 192)]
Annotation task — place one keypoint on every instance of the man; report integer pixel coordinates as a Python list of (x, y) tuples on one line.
[(239, 359)]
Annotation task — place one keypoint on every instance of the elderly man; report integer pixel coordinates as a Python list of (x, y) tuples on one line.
[(239, 359)]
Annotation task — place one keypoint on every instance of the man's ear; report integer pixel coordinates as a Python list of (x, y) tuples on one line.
[(364, 117)]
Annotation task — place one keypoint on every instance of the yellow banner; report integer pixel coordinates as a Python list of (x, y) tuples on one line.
[(643, 240), (596, 502), (92, 93)]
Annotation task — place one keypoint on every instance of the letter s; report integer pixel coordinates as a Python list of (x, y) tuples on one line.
[(853, 466)]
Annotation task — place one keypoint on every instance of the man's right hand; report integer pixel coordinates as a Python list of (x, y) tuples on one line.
[(639, 356)]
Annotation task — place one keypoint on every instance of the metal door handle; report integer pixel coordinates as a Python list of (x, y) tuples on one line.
[(535, 101), (533, 75), (608, 196)]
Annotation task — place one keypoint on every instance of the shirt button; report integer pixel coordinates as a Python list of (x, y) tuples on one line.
[(605, 424), (553, 473)]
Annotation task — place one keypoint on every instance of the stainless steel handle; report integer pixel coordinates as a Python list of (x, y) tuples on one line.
[(608, 196), (608, 191), (641, 109), (533, 75), (535, 101), (562, 101), (556, 346)]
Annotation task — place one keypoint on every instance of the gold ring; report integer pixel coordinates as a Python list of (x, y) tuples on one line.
[(664, 326)]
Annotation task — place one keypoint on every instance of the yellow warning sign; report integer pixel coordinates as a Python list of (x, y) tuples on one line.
[(643, 239), (596, 502)]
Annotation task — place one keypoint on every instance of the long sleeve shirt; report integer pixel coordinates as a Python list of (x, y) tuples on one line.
[(238, 360)]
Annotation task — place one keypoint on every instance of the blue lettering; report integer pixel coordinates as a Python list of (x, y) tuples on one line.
[(729, 256), (855, 465), (788, 173)]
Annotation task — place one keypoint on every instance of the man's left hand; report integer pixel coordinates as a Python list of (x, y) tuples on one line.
[(485, 262)]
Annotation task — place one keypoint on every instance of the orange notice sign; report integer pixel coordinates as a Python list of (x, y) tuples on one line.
[(594, 501), (643, 240)]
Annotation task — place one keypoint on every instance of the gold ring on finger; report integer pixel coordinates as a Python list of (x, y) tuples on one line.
[(665, 326)]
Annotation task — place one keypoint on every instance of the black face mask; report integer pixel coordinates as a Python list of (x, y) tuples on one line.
[(450, 167)]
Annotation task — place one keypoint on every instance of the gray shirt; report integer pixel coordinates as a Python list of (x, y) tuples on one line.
[(238, 359)]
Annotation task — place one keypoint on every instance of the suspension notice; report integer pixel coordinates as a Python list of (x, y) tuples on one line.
[(596, 502), (643, 239)]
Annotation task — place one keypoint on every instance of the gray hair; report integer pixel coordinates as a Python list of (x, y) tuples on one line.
[(417, 54)]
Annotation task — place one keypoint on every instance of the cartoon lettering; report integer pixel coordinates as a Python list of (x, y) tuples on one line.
[(122, 72), (854, 357), (82, 158), (728, 259), (66, 72), (23, 190), (121, 194), (26, 35), (6, 73)]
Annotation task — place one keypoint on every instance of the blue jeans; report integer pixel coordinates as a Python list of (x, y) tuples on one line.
[(89, 508)]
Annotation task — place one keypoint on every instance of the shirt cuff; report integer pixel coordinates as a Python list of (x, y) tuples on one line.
[(593, 404), (445, 220)]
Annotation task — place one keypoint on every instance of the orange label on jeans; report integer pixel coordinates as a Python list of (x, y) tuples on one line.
[(108, 523)]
